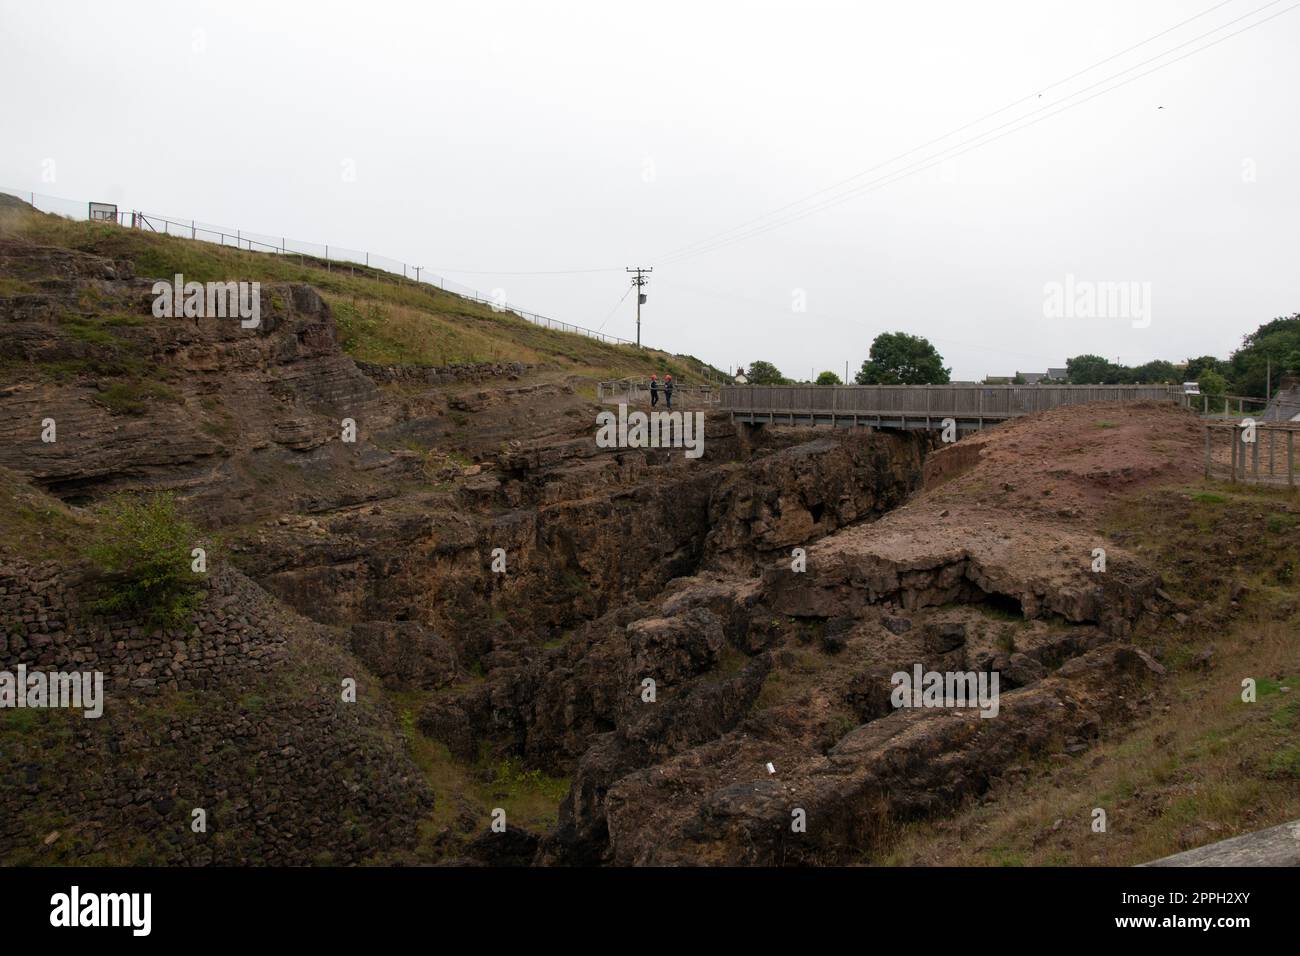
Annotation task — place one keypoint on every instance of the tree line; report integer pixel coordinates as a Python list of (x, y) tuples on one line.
[(1267, 354)]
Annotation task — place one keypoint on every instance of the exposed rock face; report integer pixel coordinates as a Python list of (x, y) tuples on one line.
[(200, 405), (718, 805), (404, 654), (904, 561), (791, 498), (443, 374)]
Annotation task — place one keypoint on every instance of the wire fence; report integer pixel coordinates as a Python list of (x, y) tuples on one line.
[(320, 255)]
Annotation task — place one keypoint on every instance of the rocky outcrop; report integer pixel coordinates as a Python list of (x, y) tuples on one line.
[(202, 406), (717, 804), (796, 495), (444, 374), (404, 654), (915, 562)]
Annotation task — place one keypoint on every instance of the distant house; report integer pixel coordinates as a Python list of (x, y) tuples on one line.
[(1031, 378), (998, 380), (1058, 374)]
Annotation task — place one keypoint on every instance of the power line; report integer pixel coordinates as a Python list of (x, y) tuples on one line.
[(945, 342), (615, 309), (709, 245)]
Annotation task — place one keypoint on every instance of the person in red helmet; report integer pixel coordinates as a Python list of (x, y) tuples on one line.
[(668, 391), (654, 390)]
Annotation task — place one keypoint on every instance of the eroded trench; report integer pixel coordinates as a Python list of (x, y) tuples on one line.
[(652, 641)]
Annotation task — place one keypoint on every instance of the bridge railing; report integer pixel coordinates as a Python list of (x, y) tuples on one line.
[(961, 401), (637, 392)]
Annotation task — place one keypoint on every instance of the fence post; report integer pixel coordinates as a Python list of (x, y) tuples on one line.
[(1233, 441), (193, 231), (1290, 459), (1254, 455)]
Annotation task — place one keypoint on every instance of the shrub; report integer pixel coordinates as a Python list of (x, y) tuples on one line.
[(143, 550)]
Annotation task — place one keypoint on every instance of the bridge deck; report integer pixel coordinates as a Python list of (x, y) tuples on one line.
[(918, 406)]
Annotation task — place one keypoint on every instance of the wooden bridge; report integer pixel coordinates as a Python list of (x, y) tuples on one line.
[(971, 407)]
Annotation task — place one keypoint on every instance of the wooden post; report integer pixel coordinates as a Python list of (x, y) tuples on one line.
[(1232, 440), (1272, 441), (1290, 459), (1254, 455)]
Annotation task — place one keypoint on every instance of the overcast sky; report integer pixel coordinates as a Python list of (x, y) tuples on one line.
[(516, 137)]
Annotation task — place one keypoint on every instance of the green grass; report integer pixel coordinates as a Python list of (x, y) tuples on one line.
[(10, 287), (1280, 523), (380, 318), (37, 526), (132, 396)]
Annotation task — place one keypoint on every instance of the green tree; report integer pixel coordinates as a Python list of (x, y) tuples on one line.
[(828, 378), (1087, 369), (1212, 383), (1196, 366), (897, 358), (1270, 347), (1158, 372), (765, 373), (142, 552)]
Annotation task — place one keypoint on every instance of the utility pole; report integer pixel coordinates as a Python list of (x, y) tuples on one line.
[(639, 281)]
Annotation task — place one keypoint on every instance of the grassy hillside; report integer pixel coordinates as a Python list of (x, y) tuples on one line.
[(381, 318)]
